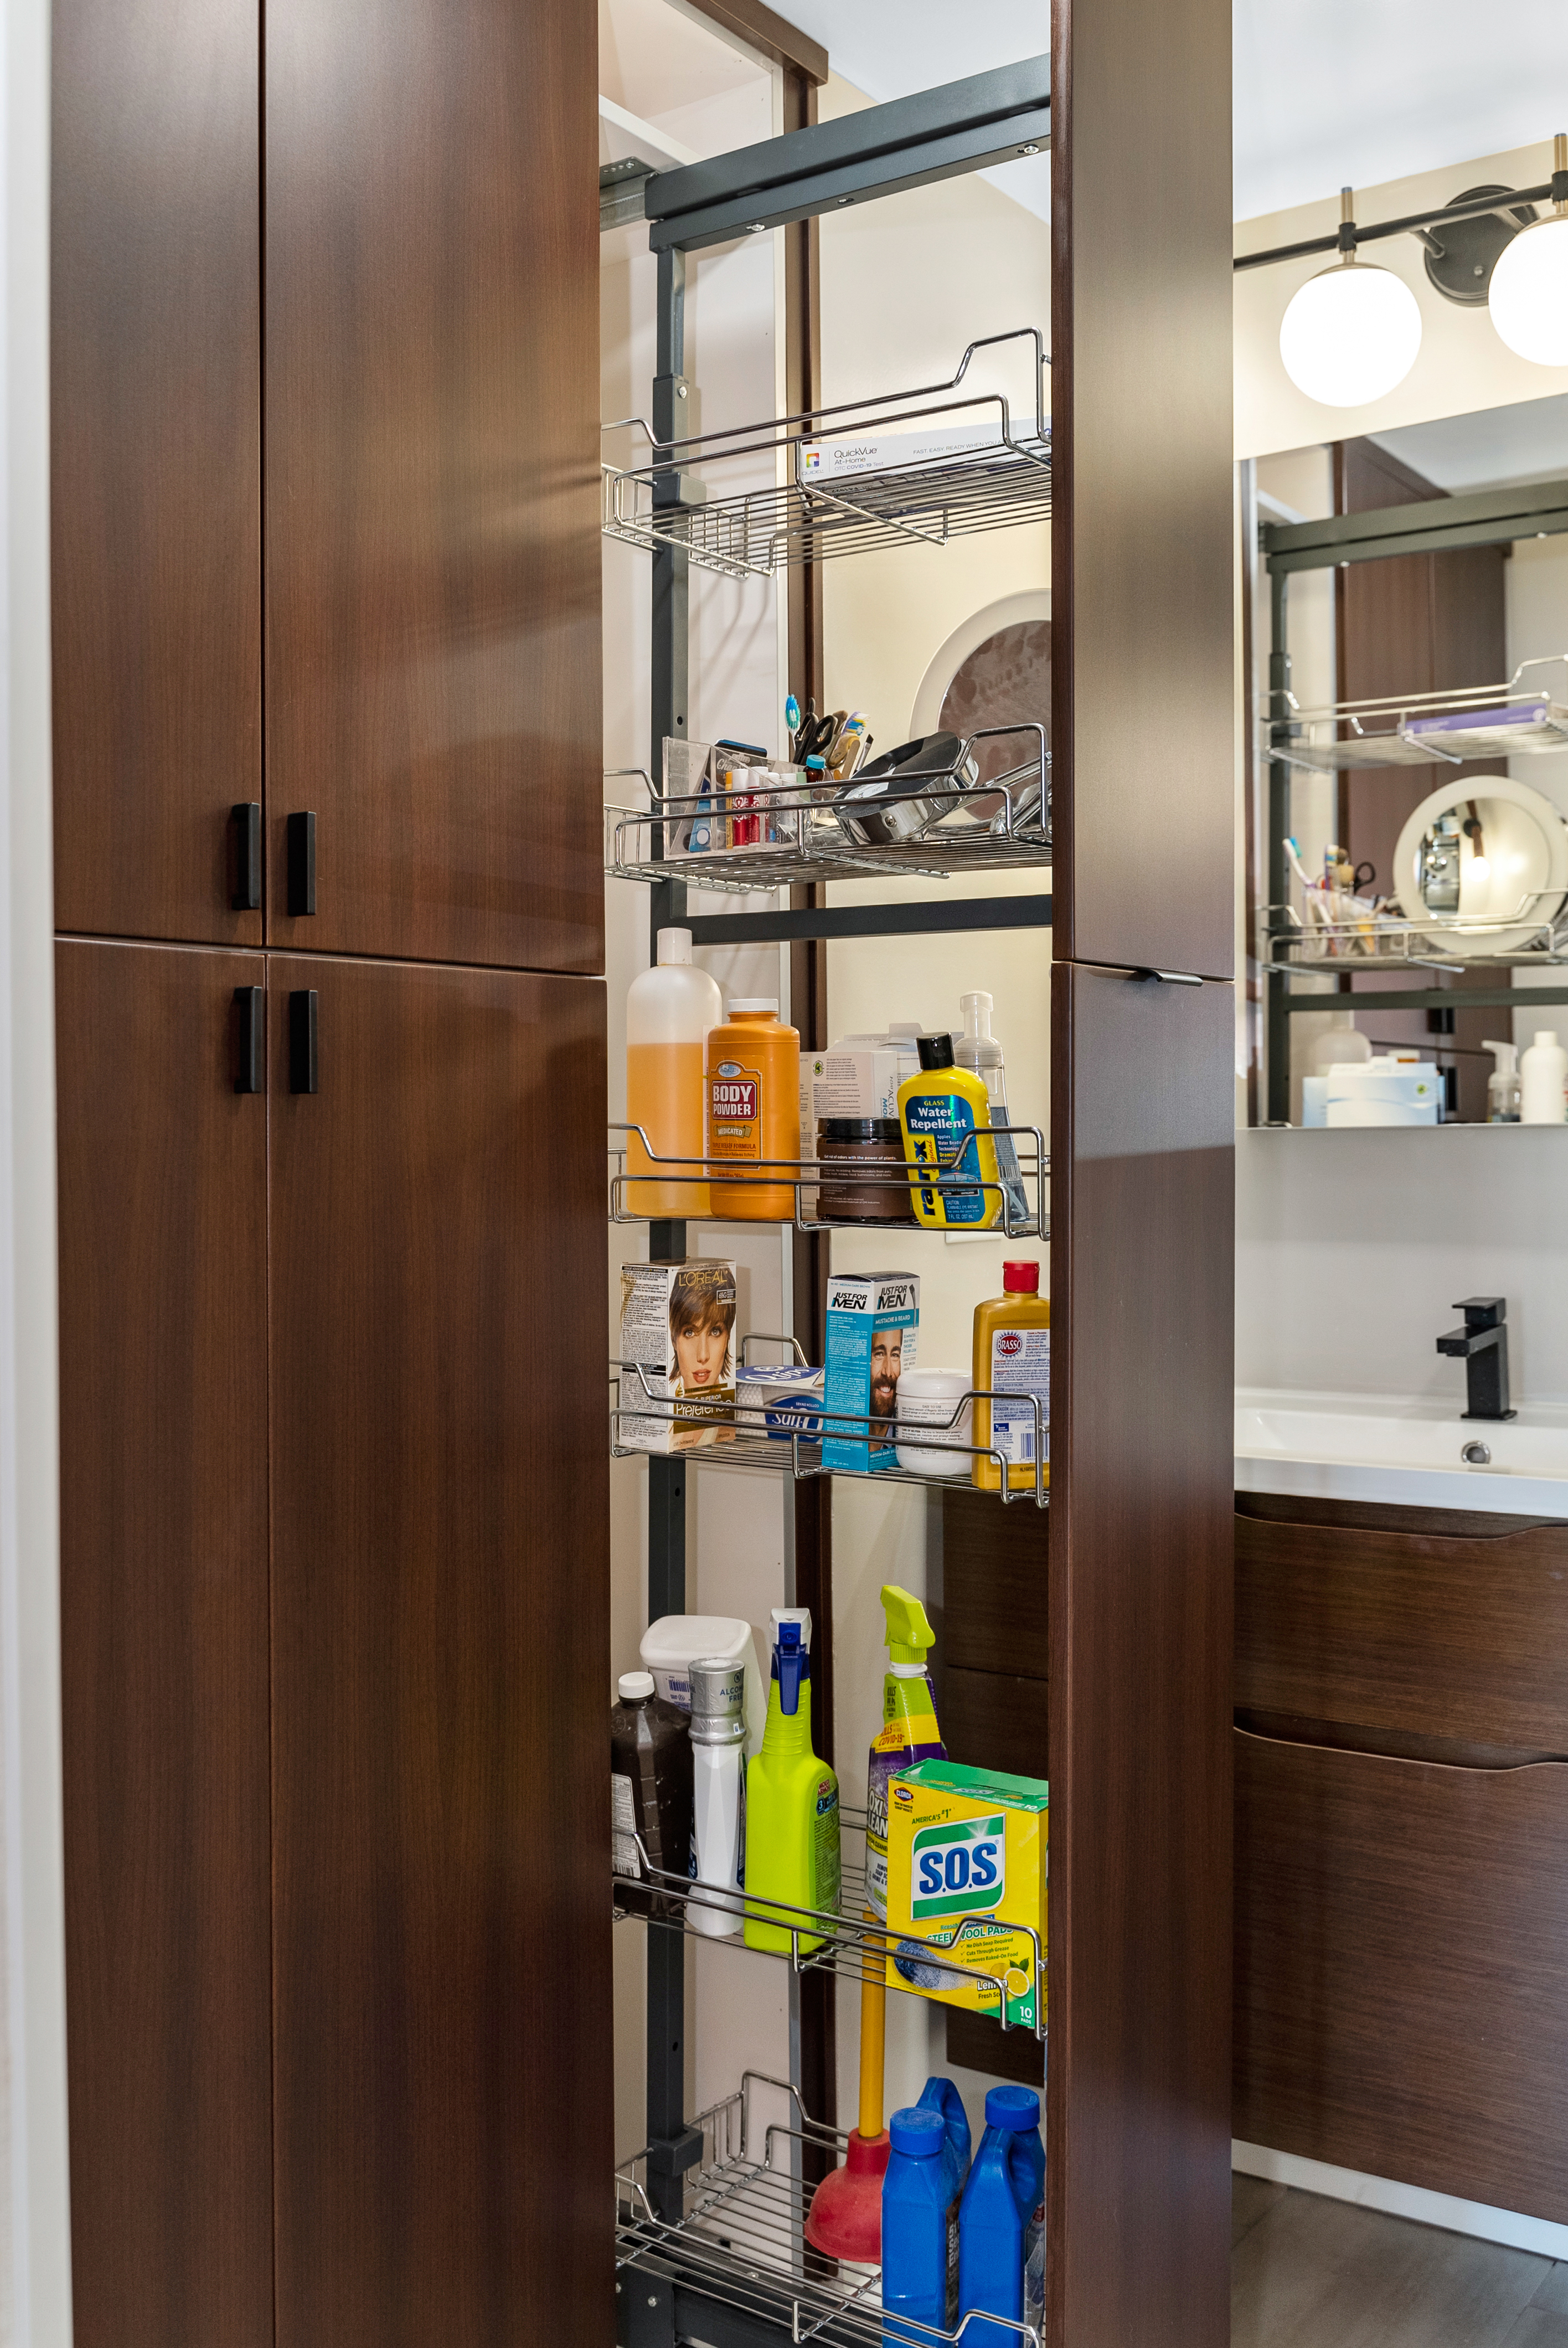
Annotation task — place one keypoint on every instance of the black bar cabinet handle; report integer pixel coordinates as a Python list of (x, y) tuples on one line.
[(245, 817), (250, 1018), (301, 838), (302, 1040)]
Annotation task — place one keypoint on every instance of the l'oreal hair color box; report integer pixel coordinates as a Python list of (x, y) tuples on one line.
[(677, 1352), (872, 1324)]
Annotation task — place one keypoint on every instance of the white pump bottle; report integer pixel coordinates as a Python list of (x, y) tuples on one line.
[(978, 1050), (1543, 1081)]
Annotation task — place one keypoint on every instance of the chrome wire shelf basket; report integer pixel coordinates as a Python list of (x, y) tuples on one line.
[(643, 1421), (1534, 935), (909, 468), (738, 2242), (1451, 728), (808, 831), (845, 1941), (639, 1198)]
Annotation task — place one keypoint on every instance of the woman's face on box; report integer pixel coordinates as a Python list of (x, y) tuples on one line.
[(701, 1352)]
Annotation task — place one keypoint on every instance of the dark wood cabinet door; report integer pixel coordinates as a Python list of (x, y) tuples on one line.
[(156, 462), (1141, 1573), (1400, 1969), (1447, 1646), (441, 1660), (433, 681), (163, 1590), (1142, 543)]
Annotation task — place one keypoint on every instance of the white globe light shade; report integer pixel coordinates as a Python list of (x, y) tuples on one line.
[(1350, 334), (1529, 296)]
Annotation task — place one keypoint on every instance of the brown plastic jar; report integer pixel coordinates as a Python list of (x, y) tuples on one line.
[(863, 1153)]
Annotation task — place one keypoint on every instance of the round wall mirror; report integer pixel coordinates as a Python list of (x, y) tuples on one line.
[(994, 670)]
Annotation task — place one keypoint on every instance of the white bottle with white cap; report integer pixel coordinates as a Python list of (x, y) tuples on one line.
[(670, 1010), (673, 1645), (1543, 1081)]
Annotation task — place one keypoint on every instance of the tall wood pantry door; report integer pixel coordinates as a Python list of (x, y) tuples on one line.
[(440, 1658), (163, 1588), (156, 448)]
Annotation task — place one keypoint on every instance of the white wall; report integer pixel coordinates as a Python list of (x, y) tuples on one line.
[(1352, 1248), (35, 2236), (1463, 366)]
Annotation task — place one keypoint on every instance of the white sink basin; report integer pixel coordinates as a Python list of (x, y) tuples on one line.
[(1408, 1455)]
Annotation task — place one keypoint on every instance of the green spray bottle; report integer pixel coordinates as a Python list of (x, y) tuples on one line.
[(791, 1803), (908, 1733)]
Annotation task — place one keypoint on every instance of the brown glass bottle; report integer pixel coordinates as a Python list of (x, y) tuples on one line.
[(650, 1790)]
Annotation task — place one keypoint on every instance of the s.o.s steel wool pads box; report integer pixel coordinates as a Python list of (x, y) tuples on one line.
[(967, 1867)]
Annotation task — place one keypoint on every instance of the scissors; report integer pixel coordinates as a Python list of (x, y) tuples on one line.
[(816, 737)]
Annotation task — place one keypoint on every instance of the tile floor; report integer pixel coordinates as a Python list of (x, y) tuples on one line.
[(1308, 2272)]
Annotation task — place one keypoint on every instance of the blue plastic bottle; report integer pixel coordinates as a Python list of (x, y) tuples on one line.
[(918, 2265), (1001, 2222), (941, 2096), (922, 2191)]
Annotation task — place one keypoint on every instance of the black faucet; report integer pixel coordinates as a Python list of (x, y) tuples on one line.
[(1482, 1346)]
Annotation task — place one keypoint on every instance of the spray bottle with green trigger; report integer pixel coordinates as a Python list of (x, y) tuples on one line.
[(909, 1731), (792, 1806)]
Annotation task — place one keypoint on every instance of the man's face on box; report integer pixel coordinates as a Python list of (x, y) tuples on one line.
[(886, 1360)]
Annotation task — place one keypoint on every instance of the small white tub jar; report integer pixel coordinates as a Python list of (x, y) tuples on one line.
[(932, 1398)]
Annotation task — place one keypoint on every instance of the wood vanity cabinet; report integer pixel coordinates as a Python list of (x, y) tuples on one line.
[(1401, 1844)]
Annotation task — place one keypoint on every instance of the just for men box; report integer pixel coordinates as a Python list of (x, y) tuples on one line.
[(872, 1324), (967, 1867)]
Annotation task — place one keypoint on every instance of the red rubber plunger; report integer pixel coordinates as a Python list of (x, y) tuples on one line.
[(844, 2221)]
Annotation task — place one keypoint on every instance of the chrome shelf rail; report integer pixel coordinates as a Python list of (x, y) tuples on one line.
[(1380, 941), (807, 1176), (970, 468), (1426, 729), (846, 1941), (706, 1435), (739, 2245), (805, 832)]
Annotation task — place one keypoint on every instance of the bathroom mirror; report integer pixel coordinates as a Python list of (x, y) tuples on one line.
[(1489, 864)]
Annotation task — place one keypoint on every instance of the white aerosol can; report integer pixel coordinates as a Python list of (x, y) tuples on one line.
[(718, 1796)]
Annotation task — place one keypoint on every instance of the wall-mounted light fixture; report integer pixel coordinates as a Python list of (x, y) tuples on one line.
[(1528, 297), (1352, 331), (1352, 334)]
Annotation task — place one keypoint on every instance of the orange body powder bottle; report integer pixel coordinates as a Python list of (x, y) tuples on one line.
[(754, 1110)]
